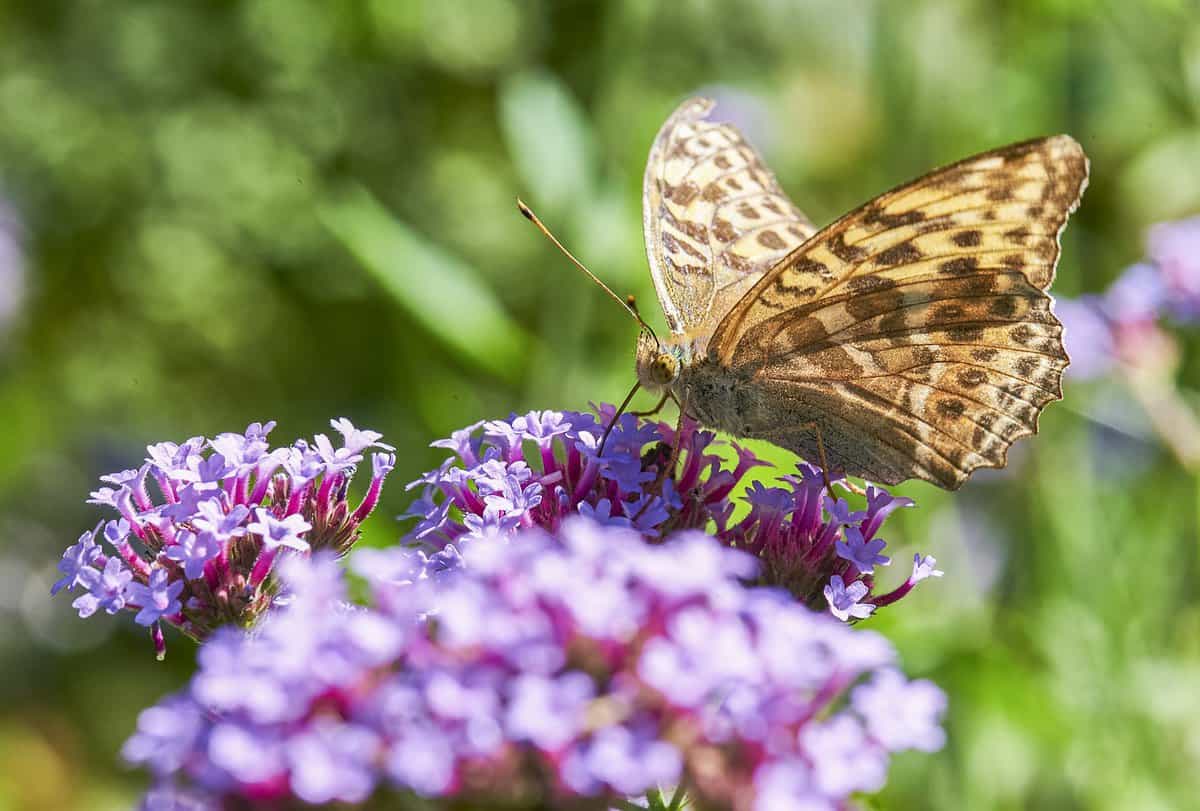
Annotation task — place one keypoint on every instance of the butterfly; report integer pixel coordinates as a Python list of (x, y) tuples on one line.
[(911, 339)]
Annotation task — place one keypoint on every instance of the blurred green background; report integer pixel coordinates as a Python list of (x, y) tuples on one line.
[(218, 212)]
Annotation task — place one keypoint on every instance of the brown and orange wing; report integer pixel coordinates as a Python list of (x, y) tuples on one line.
[(916, 331)]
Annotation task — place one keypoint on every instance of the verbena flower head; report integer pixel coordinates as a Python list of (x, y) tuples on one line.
[(1123, 325), (1174, 248), (202, 523), (541, 671), (541, 468)]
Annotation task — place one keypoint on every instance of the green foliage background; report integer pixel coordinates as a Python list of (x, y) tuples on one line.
[(301, 209)]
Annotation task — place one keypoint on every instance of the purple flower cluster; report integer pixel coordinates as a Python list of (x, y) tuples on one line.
[(203, 555), (1122, 325), (565, 670), (540, 468)]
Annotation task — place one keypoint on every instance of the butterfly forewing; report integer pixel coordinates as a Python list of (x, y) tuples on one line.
[(914, 331), (715, 219)]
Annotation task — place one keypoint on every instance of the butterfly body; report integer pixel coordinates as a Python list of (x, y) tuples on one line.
[(914, 334)]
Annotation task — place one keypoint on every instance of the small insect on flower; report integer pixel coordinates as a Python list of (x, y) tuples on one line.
[(228, 507)]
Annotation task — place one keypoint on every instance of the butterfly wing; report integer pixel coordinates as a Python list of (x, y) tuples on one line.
[(915, 331), (714, 217)]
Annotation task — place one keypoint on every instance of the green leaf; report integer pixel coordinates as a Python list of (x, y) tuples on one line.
[(549, 138), (444, 294)]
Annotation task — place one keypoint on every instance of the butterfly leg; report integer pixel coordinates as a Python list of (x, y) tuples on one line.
[(656, 408), (851, 486), (676, 447), (816, 429)]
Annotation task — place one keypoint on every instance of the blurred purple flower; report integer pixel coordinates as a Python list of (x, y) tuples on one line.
[(901, 714), (1088, 336), (1137, 296), (205, 555), (1122, 325), (1174, 248), (558, 670), (747, 111)]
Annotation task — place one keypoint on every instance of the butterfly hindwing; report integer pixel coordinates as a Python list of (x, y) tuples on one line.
[(715, 219), (915, 330)]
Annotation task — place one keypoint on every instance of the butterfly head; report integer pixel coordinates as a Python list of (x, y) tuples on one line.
[(658, 364)]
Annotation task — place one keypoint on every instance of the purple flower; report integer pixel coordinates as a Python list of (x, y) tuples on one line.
[(1174, 247), (171, 798), (166, 734), (107, 589), (187, 502), (357, 440), (549, 712), (586, 665), (601, 513), (76, 560), (844, 759), (623, 759), (844, 600), (212, 518), (193, 550), (1088, 336), (335, 459), (541, 468), (158, 598), (923, 567), (862, 553), (278, 533), (205, 554), (901, 714), (332, 762), (1138, 296), (839, 511)]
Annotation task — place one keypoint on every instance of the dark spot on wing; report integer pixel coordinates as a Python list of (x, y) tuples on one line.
[(878, 216), (964, 334), (959, 266), (771, 240), (902, 254), (847, 253), (1004, 307), (970, 378), (862, 284), (951, 408)]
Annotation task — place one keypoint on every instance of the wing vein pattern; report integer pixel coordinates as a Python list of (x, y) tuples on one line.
[(915, 331)]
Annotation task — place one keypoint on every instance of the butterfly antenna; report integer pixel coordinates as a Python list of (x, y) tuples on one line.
[(628, 305)]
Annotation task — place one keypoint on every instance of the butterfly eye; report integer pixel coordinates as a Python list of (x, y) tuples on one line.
[(666, 368)]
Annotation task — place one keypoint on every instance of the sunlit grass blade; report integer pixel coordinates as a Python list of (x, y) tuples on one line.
[(441, 292)]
